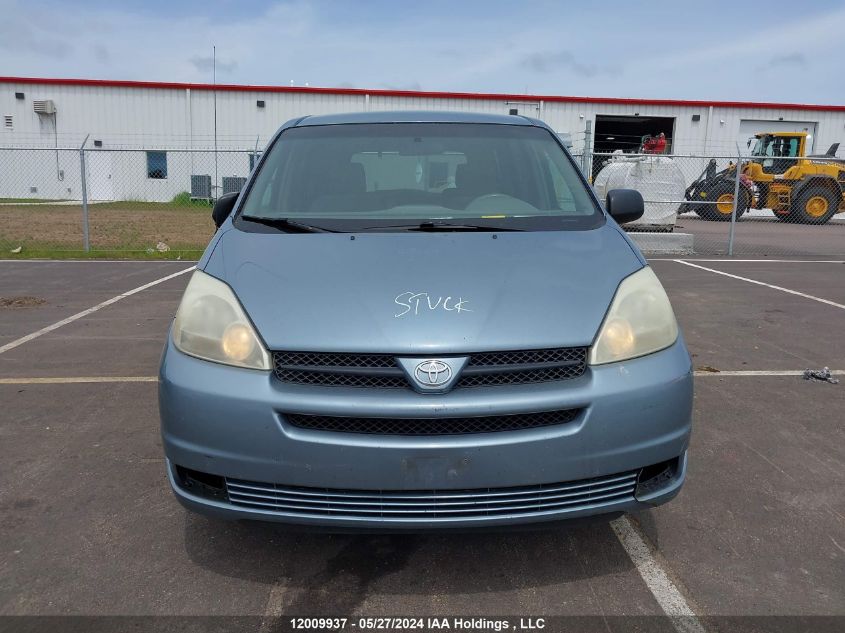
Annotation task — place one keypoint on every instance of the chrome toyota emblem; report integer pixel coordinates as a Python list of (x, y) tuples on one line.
[(432, 373)]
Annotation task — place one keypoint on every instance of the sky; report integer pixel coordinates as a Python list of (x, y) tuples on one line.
[(709, 49)]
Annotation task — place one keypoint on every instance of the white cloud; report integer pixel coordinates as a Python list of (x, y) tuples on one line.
[(550, 50), (207, 64)]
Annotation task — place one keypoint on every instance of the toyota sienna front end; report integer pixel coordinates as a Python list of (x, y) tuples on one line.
[(423, 320)]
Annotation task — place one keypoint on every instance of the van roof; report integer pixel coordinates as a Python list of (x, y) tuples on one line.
[(411, 116)]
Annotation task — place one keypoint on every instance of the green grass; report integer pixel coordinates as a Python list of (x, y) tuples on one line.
[(183, 199), (139, 205), (124, 230), (30, 200), (37, 252)]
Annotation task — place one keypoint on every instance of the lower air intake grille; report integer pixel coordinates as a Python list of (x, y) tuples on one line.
[(432, 504), (431, 426)]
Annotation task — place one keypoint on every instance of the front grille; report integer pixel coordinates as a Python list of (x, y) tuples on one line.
[(323, 359), (432, 426), (376, 371), (432, 504), (525, 366), (329, 379), (520, 377), (380, 371), (523, 357)]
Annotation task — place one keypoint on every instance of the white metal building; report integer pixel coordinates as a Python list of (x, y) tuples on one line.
[(152, 118)]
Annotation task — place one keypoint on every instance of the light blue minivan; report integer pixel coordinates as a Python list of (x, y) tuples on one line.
[(423, 320)]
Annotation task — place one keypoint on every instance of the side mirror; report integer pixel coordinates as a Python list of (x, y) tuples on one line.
[(624, 205), (223, 207)]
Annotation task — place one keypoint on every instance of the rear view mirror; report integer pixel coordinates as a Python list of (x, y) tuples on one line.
[(223, 207), (624, 205)]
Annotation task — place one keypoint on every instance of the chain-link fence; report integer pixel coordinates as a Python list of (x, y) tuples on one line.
[(156, 202), (57, 202), (773, 206)]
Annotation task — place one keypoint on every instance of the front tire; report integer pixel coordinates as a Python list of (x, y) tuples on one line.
[(721, 195)]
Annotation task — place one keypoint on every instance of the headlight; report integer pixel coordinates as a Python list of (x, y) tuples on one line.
[(211, 324), (640, 321)]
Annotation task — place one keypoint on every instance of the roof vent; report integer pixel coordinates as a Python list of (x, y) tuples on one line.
[(46, 106)]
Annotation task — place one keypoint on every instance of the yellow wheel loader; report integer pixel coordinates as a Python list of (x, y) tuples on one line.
[(777, 176)]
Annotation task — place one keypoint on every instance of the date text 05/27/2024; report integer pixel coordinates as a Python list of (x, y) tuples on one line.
[(418, 624)]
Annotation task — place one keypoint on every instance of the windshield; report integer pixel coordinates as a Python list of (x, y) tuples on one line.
[(775, 146), (401, 175)]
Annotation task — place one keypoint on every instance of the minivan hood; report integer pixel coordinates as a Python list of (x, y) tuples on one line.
[(421, 293)]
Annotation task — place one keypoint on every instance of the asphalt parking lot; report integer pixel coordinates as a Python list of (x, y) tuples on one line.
[(88, 525), (762, 233)]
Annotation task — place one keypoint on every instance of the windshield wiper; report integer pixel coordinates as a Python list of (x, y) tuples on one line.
[(442, 227), (287, 223)]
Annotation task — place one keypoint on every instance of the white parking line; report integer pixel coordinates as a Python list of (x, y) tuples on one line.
[(760, 283), (97, 261), (84, 313), (73, 380), (63, 380), (670, 599), (274, 609), (766, 261), (777, 372)]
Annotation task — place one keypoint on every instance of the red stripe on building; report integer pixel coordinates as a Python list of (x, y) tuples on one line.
[(116, 83)]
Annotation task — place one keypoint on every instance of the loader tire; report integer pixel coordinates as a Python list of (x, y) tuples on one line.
[(814, 205), (721, 195)]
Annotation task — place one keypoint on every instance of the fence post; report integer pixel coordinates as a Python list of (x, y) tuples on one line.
[(736, 200), (85, 235), (585, 157)]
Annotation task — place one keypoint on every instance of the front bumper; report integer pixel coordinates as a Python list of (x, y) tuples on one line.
[(226, 422)]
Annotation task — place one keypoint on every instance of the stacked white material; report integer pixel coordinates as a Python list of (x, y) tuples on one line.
[(657, 178)]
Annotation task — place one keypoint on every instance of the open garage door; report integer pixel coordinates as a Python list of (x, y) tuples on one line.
[(749, 127), (614, 132)]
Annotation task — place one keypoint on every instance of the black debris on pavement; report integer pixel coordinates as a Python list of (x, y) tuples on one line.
[(820, 375)]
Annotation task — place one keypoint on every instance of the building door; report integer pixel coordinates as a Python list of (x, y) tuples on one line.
[(627, 133), (98, 166)]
